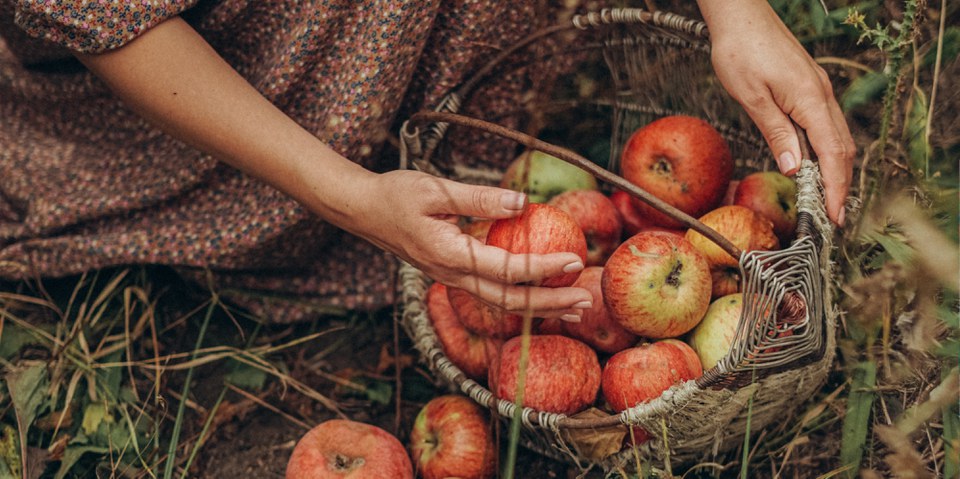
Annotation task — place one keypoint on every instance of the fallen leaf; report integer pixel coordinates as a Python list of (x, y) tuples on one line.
[(595, 444)]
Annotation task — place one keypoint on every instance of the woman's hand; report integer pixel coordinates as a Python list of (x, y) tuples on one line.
[(764, 67), (413, 215)]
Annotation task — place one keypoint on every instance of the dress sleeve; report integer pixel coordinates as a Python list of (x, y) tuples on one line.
[(93, 26)]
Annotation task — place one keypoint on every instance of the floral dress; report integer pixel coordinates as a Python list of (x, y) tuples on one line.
[(87, 184)]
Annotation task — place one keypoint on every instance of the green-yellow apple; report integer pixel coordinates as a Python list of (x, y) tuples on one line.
[(542, 176), (711, 339)]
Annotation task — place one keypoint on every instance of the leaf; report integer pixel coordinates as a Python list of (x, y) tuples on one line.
[(73, 454), (14, 338), (915, 130), (27, 388), (93, 416), (109, 378), (857, 420), (863, 90), (951, 48), (246, 376), (9, 452), (904, 460), (595, 444), (950, 416)]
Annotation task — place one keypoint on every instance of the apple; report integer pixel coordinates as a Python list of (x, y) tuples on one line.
[(550, 326), (726, 280), (562, 374), (341, 449), (481, 318), (596, 327), (656, 285), (747, 231), (469, 351), (711, 339), (452, 437), (597, 217), (542, 176), (773, 196), (633, 222), (541, 229), (637, 375), (683, 161)]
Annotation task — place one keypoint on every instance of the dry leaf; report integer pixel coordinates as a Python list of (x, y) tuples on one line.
[(904, 461), (595, 444)]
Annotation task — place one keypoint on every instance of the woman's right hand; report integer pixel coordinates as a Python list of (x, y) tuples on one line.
[(414, 216)]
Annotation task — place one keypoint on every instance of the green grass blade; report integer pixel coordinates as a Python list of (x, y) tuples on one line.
[(181, 409), (514, 441), (856, 424)]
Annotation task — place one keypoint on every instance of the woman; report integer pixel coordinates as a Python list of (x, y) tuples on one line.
[(259, 154)]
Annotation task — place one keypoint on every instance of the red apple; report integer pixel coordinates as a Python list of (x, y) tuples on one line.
[(562, 375), (741, 226), (726, 280), (471, 352), (452, 437), (632, 221), (656, 285), (541, 229), (683, 161), (711, 339), (773, 196), (542, 176), (596, 327), (637, 375), (341, 449), (550, 326), (597, 217), (481, 318)]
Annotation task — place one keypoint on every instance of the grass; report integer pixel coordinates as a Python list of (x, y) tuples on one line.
[(101, 372)]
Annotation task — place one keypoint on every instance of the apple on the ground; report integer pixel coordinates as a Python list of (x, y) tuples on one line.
[(452, 437), (542, 176), (597, 217), (341, 448), (773, 196), (596, 327), (656, 285), (541, 229), (562, 374), (471, 352), (680, 159)]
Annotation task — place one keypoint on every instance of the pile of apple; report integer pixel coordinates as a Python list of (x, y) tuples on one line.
[(666, 301)]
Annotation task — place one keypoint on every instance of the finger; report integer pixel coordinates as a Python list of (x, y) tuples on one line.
[(850, 150), (456, 198), (777, 130), (525, 299), (831, 148), (502, 266)]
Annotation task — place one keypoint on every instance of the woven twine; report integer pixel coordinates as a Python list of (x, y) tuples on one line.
[(773, 365)]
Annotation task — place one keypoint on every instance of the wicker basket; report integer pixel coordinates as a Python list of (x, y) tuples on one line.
[(659, 64)]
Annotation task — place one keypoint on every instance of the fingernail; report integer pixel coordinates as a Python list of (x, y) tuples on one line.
[(512, 200), (571, 318), (583, 305), (573, 267), (840, 217), (788, 164)]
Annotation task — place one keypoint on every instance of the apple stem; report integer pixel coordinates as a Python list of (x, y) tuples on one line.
[(585, 164)]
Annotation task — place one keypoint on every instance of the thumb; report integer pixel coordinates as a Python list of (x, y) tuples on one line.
[(483, 201), (777, 128)]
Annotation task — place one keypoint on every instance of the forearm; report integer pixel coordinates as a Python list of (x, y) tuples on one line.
[(725, 18), (173, 78)]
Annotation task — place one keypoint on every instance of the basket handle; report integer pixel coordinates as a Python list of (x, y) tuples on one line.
[(585, 164)]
